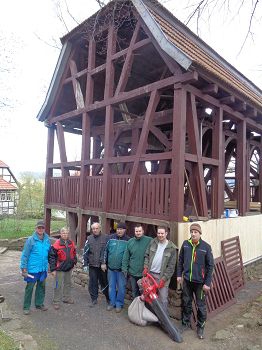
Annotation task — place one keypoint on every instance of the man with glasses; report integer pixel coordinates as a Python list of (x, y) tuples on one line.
[(160, 262), (34, 266)]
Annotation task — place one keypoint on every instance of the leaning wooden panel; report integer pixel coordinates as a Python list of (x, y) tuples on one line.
[(221, 294), (231, 252)]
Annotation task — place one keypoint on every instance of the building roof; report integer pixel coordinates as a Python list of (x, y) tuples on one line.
[(178, 41), (4, 185), (3, 165)]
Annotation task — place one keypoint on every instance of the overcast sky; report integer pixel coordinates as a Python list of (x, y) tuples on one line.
[(28, 29)]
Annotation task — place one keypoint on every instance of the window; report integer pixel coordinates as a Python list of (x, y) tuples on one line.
[(3, 196), (9, 196)]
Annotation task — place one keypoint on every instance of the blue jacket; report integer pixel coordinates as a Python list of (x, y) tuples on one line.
[(35, 254), (114, 251)]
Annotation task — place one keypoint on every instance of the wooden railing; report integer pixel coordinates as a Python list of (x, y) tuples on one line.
[(150, 199)]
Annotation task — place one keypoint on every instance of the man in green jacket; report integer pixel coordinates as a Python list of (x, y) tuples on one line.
[(133, 260), (160, 262)]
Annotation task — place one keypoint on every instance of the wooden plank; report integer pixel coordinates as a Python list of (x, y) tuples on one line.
[(234, 265)]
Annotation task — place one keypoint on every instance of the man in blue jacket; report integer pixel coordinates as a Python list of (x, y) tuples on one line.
[(34, 266), (113, 257), (196, 263)]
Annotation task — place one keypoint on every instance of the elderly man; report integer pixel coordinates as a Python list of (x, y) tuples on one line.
[(34, 266), (62, 258), (196, 263), (113, 257), (133, 260), (92, 260), (160, 262)]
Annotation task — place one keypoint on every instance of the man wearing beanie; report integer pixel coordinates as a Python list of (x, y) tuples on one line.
[(112, 260), (196, 264)]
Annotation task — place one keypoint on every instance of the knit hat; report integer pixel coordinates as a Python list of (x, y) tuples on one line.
[(196, 227), (121, 225)]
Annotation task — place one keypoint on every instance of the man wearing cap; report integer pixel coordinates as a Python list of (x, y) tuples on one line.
[(196, 263), (112, 260), (34, 266)]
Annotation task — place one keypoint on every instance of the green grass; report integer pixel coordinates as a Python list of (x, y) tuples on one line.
[(6, 342), (12, 227)]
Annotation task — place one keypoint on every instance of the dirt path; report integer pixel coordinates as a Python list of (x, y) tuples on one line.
[(77, 327)]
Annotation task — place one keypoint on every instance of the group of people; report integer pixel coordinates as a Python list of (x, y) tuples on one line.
[(112, 260)]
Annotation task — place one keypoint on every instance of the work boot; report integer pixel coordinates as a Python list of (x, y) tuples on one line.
[(93, 303), (118, 309), (200, 332), (26, 312), (184, 327), (109, 307), (42, 308)]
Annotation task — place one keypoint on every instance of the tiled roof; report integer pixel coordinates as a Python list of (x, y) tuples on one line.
[(3, 165), (4, 185), (203, 56)]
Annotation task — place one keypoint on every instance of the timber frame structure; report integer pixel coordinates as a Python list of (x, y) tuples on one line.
[(162, 119)]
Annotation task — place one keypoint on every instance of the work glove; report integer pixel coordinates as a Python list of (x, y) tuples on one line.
[(103, 267), (161, 284), (86, 269), (145, 271)]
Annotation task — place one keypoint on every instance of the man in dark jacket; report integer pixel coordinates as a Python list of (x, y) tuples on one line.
[(196, 264), (62, 258), (160, 262), (113, 257), (92, 260)]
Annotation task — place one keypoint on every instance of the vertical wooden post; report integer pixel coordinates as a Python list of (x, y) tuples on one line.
[(241, 168), (109, 119), (260, 175), (49, 174), (218, 182), (63, 158), (178, 155)]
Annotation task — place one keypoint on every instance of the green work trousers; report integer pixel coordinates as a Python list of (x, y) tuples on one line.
[(62, 286), (39, 294)]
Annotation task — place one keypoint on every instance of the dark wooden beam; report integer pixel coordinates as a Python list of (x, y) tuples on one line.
[(178, 155), (228, 100), (217, 190), (241, 175), (211, 89), (153, 102), (130, 95)]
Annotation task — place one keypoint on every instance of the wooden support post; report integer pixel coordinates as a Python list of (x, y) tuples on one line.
[(194, 142), (260, 175), (82, 226), (63, 158), (217, 190), (178, 155), (109, 119), (241, 168)]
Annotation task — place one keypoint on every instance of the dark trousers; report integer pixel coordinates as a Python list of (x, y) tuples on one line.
[(96, 275), (134, 286), (190, 288), (39, 294)]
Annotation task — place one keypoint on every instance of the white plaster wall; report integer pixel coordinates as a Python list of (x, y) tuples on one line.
[(248, 228)]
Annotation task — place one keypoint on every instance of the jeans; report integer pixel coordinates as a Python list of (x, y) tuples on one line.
[(39, 294), (117, 288), (62, 286), (188, 289), (97, 275), (134, 286)]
